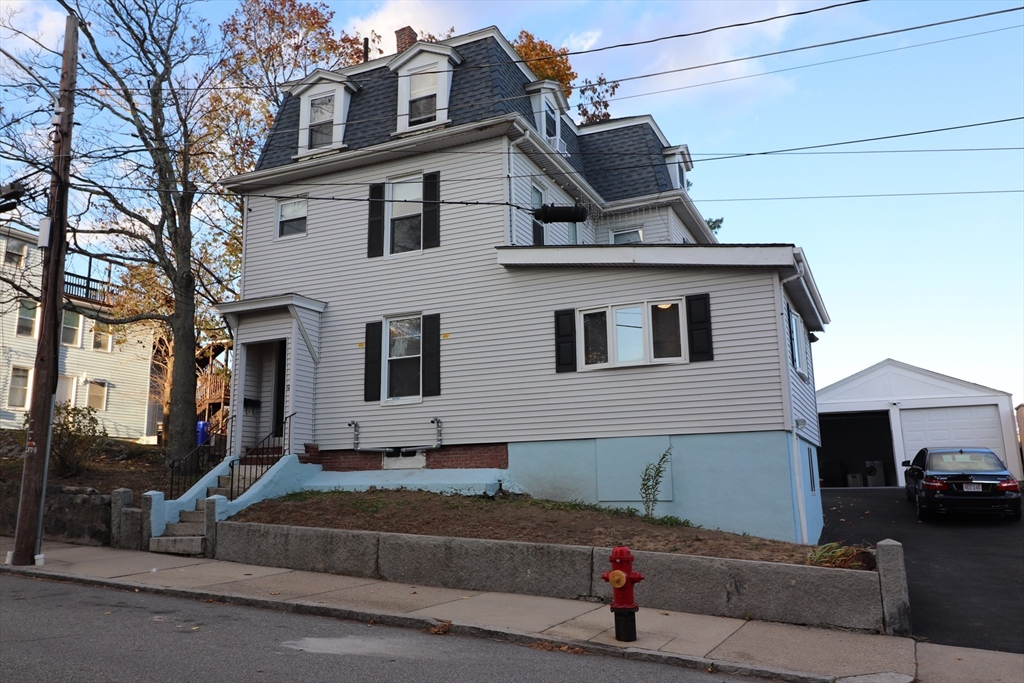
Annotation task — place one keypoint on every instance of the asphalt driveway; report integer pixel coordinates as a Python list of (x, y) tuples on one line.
[(965, 574)]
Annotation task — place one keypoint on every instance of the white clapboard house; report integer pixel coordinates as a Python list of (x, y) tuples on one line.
[(402, 307), (95, 368)]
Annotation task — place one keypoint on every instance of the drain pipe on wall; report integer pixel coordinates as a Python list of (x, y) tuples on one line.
[(355, 441), (437, 443)]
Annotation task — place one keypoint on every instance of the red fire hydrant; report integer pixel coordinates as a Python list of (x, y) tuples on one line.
[(624, 607)]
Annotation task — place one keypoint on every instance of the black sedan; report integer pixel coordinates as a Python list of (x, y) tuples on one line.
[(943, 480)]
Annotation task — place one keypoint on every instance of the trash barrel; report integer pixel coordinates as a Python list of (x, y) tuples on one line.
[(202, 432)]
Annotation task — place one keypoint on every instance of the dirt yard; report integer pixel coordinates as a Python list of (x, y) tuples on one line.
[(516, 518)]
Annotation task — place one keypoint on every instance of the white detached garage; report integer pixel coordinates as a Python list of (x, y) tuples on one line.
[(873, 420)]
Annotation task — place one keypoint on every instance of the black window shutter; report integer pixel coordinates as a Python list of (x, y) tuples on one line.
[(371, 364), (375, 233), (538, 234), (698, 327), (431, 210), (565, 340), (432, 355)]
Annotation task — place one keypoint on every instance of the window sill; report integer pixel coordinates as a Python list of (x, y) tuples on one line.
[(405, 400), (803, 375), (320, 150), (643, 364), (420, 128)]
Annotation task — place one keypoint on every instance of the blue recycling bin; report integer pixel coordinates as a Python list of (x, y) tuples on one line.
[(202, 432)]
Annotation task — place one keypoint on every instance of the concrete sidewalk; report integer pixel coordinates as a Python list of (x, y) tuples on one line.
[(771, 650)]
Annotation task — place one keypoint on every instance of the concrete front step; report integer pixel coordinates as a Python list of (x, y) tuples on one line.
[(195, 516), (185, 529), (177, 545), (218, 491)]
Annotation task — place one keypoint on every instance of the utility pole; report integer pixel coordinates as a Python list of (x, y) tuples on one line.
[(29, 534)]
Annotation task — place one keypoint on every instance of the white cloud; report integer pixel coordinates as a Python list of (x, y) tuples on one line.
[(582, 41), (42, 21)]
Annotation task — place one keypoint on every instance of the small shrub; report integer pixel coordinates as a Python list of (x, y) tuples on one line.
[(837, 555), (650, 483), (77, 437)]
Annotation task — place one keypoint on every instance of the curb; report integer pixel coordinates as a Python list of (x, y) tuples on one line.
[(423, 623)]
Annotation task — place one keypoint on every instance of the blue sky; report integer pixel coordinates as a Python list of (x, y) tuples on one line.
[(935, 281)]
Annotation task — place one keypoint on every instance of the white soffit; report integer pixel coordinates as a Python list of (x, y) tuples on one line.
[(754, 256)]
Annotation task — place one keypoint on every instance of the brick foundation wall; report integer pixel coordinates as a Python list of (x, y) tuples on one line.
[(468, 456)]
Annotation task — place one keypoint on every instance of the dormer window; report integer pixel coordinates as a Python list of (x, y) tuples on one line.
[(423, 97), (321, 121), (324, 97), (550, 121), (678, 163), (424, 83), (548, 103)]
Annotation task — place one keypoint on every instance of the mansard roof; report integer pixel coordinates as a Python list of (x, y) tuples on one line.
[(619, 158)]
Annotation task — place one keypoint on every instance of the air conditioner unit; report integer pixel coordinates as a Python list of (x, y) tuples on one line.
[(558, 145)]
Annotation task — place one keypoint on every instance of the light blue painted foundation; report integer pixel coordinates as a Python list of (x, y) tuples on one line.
[(738, 482)]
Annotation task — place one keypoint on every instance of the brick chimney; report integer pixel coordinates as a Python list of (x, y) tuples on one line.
[(406, 38)]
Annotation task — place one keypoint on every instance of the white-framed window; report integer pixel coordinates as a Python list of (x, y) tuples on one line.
[(291, 216), (19, 388), (678, 163), (405, 214), (321, 121), (550, 120), (97, 395), (626, 236), (796, 346), (324, 99), (574, 233), (632, 334), (424, 85), (28, 313), (537, 201), (102, 338), (423, 95), (402, 348), (15, 253), (71, 329)]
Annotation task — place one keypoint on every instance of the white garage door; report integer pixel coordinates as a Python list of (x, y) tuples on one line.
[(959, 426)]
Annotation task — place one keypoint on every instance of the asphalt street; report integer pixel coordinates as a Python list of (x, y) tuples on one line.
[(52, 631), (965, 573)]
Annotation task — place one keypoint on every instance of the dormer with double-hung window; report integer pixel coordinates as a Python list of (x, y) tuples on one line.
[(424, 75), (324, 98), (547, 99)]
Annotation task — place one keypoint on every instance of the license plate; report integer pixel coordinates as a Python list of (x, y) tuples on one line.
[(972, 487)]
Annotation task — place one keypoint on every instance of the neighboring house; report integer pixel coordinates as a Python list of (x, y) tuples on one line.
[(394, 273), (95, 369), (875, 419)]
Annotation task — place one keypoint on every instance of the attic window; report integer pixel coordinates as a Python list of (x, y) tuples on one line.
[(423, 97), (550, 121), (321, 121)]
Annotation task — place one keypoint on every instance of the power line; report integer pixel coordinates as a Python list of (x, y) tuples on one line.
[(807, 66)]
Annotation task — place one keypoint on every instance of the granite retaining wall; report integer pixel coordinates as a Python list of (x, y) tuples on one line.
[(874, 601)]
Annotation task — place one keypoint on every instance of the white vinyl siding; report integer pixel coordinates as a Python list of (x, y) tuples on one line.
[(498, 377), (805, 405), (522, 195)]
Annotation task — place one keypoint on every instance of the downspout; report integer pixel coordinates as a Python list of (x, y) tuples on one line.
[(509, 192)]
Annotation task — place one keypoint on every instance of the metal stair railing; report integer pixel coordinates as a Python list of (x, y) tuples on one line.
[(190, 468), (255, 461)]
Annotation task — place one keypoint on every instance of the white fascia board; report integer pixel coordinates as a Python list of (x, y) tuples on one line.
[(726, 256), (493, 32), (562, 168), (19, 234), (680, 202), (267, 303), (418, 48), (340, 160), (319, 76), (812, 287), (626, 123)]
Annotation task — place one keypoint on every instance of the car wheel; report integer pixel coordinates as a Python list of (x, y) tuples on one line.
[(922, 512), (1015, 515)]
